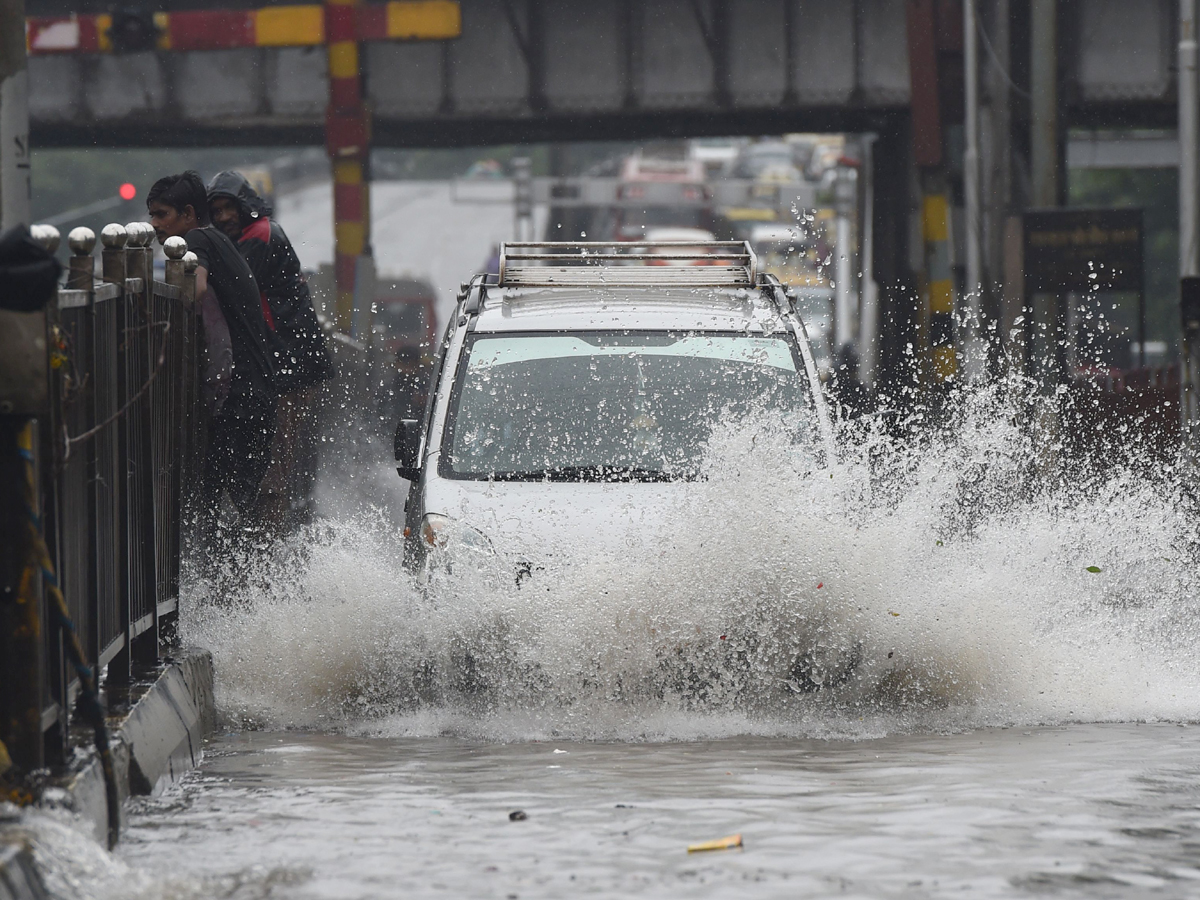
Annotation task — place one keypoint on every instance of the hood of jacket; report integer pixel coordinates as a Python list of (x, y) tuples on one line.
[(250, 203)]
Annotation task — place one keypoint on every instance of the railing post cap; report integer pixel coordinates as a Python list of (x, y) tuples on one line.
[(190, 261), (140, 234), (113, 236), (81, 240), (175, 247), (47, 236)]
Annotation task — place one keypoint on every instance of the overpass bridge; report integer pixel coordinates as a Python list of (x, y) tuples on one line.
[(558, 70)]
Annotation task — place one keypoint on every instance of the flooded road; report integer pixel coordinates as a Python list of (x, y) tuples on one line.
[(1073, 811), (979, 639)]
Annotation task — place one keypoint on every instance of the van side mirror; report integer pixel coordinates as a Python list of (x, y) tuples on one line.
[(408, 446)]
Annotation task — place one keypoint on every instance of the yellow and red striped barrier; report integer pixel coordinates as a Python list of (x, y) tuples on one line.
[(303, 25)]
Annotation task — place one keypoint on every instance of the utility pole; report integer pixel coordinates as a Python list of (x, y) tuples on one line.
[(1189, 224), (974, 350), (14, 116), (996, 153), (1046, 175), (522, 171), (845, 198), (868, 315), (1043, 70)]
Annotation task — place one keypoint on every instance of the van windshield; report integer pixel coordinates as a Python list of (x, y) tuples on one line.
[(614, 406)]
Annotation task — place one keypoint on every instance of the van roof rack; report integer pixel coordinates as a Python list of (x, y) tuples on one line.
[(628, 264)]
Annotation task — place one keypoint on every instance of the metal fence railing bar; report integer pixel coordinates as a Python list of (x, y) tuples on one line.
[(118, 454)]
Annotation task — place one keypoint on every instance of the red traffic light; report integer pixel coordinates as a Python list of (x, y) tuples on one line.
[(127, 191)]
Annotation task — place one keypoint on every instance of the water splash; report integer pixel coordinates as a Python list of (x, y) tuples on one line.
[(962, 575), (70, 860)]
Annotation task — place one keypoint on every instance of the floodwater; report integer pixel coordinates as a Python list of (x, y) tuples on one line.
[(1077, 811), (954, 665)]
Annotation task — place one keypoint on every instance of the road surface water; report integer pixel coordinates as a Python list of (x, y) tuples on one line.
[(1078, 811)]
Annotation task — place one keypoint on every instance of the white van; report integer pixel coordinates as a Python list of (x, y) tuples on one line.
[(575, 394)]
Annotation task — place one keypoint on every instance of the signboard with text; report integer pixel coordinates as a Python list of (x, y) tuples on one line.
[(1081, 249)]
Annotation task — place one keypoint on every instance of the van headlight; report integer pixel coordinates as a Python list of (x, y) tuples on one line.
[(449, 535)]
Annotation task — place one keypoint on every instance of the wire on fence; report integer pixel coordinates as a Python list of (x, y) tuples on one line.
[(68, 440)]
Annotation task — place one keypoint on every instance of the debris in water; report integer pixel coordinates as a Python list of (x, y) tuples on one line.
[(725, 843), (1095, 570), (890, 613), (517, 815), (820, 584)]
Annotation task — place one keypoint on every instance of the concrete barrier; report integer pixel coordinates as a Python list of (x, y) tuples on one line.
[(156, 742), (159, 739), (19, 878), (153, 744)]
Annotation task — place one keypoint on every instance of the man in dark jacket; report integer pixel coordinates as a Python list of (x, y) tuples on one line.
[(241, 349), (245, 217)]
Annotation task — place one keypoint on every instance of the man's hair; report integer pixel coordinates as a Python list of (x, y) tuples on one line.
[(181, 191)]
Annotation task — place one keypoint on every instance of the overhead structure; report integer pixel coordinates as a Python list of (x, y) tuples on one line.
[(338, 25), (484, 72)]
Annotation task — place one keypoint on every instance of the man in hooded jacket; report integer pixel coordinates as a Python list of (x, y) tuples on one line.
[(245, 217)]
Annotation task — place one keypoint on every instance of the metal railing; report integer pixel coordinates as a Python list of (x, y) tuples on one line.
[(119, 453)]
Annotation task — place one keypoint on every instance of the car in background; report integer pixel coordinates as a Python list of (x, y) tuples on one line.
[(770, 161), (657, 192), (406, 329)]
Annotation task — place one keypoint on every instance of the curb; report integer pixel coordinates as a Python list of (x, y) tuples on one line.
[(19, 878), (158, 740)]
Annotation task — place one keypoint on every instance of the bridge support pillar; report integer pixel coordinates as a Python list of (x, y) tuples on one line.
[(934, 46), (347, 142), (894, 188)]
